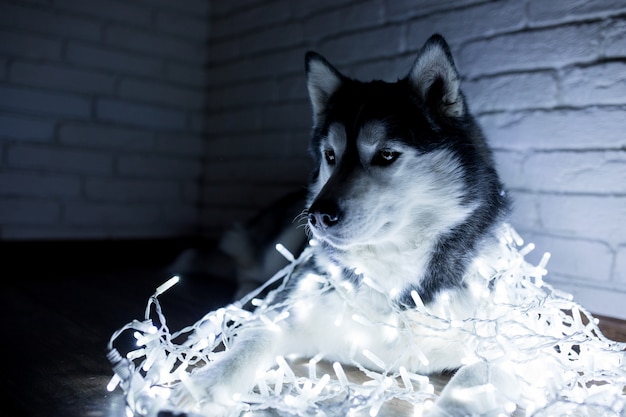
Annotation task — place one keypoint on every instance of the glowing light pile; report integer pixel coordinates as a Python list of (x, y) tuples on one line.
[(561, 362)]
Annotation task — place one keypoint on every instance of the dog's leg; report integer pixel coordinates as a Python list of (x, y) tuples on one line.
[(480, 389), (213, 387)]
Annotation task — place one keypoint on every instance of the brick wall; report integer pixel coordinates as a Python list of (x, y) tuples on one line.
[(547, 80), (102, 109)]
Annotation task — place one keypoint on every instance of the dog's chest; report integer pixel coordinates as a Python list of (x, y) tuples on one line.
[(358, 323), (388, 270)]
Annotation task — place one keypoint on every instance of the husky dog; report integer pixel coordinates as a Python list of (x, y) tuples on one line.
[(403, 200)]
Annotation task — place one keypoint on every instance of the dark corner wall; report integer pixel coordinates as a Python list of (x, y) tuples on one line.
[(102, 115), (159, 118)]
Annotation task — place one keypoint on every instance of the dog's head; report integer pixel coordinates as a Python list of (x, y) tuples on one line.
[(396, 163)]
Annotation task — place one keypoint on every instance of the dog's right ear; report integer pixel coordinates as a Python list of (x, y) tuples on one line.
[(322, 81)]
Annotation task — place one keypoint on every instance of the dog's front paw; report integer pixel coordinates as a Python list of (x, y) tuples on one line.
[(209, 391), (478, 390)]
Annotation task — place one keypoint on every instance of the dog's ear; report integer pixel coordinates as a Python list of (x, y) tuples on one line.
[(322, 81), (435, 79)]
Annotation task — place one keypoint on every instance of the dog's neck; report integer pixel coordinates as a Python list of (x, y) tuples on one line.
[(387, 267), (395, 271)]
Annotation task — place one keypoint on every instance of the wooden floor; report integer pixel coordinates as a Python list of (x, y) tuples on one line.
[(58, 315)]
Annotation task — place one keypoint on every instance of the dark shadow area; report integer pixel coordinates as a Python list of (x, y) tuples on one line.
[(62, 301)]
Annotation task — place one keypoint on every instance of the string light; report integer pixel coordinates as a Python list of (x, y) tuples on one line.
[(562, 362)]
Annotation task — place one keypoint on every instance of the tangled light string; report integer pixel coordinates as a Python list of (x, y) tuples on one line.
[(564, 365)]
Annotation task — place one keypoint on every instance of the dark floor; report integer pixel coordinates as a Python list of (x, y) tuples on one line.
[(60, 303)]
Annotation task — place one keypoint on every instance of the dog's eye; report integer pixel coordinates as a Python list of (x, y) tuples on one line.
[(329, 155), (385, 157)]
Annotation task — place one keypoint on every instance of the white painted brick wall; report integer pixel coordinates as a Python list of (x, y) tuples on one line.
[(100, 103), (547, 79)]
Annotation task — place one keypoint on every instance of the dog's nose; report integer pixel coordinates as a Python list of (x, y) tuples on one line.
[(323, 213)]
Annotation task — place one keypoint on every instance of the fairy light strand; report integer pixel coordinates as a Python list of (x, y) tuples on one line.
[(531, 326)]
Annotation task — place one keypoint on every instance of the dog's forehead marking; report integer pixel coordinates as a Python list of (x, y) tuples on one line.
[(370, 135), (337, 137)]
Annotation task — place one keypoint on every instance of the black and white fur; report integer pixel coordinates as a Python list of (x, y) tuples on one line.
[(404, 198)]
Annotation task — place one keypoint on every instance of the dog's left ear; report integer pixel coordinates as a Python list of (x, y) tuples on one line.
[(322, 81), (435, 79)]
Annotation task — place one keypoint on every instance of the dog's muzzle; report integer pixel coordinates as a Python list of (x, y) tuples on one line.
[(323, 214)]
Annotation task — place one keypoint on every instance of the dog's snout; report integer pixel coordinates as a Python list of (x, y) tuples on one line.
[(323, 213)]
